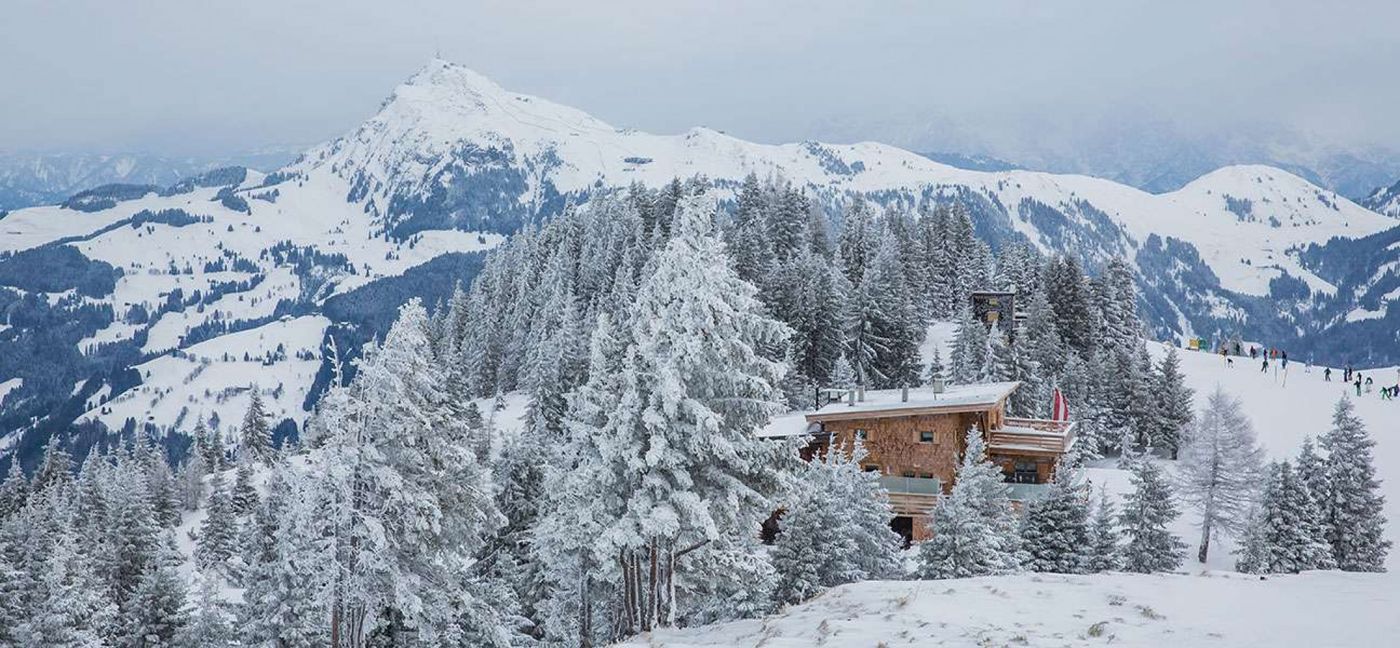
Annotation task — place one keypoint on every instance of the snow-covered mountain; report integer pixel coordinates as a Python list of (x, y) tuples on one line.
[(28, 179), (451, 148), (134, 295), (1384, 200)]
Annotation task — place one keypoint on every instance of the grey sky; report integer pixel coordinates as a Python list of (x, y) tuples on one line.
[(214, 76)]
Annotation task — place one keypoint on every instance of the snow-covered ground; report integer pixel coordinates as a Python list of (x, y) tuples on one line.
[(1331, 609), (213, 377), (1206, 605)]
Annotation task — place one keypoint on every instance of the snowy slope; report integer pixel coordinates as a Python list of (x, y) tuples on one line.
[(1384, 200), (225, 279), (1312, 609)]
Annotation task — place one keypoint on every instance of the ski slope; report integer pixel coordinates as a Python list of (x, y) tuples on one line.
[(1326, 609)]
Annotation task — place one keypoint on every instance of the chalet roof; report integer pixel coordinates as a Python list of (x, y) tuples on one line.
[(922, 400), (789, 425)]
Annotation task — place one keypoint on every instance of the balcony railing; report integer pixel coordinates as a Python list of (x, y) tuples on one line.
[(1027, 492), (912, 485)]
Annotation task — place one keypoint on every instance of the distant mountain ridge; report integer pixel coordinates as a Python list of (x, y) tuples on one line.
[(29, 179)]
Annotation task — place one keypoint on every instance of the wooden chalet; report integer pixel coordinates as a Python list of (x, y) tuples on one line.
[(915, 439)]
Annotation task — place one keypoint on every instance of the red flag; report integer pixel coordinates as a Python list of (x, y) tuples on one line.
[(1060, 410)]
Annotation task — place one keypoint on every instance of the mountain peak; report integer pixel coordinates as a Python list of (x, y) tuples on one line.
[(441, 73)]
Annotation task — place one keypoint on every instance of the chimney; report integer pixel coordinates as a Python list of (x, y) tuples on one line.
[(938, 386), (860, 392), (904, 394), (850, 398)]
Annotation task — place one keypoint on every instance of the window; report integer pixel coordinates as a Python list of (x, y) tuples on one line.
[(926, 437), (908, 473), (862, 434), (925, 475), (870, 468), (1025, 473)]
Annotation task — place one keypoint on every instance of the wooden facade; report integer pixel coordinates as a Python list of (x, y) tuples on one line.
[(916, 445)]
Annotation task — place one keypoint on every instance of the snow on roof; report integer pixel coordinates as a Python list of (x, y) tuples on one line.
[(788, 425), (892, 400)]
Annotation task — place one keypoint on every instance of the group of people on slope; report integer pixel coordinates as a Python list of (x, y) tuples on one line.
[(1352, 376), (1357, 380), (1269, 353)]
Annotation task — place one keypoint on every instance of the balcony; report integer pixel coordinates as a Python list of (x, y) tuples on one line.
[(912, 485), (1026, 492), (1032, 436), (912, 495)]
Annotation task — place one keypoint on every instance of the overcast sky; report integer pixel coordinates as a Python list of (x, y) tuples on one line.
[(213, 75)]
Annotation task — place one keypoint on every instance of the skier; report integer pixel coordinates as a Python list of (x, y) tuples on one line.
[(1368, 384), (1357, 382), (1283, 355), (1327, 374), (1265, 368)]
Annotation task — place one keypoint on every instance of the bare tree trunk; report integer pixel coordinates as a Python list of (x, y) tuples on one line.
[(1205, 541), (629, 603), (653, 587), (585, 621)]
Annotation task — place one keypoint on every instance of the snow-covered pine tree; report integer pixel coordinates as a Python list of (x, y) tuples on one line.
[(55, 469), (940, 282), (747, 235), (935, 369), (218, 532), (209, 447), (255, 436), (1284, 538), (1068, 294), (133, 535), (189, 483), (244, 497), (156, 613), (974, 529), (1172, 411), (1006, 363), (210, 624), (969, 352), (1079, 390), (865, 333), (1148, 512), (288, 596), (1055, 530), (1104, 552), (1354, 512), (835, 529), (1254, 554), (1220, 469), (680, 446), (897, 321), (1124, 385), (855, 244), (406, 502), (818, 339), (70, 607), (1312, 470), (843, 374), (14, 491), (1040, 342), (160, 483), (578, 500)]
